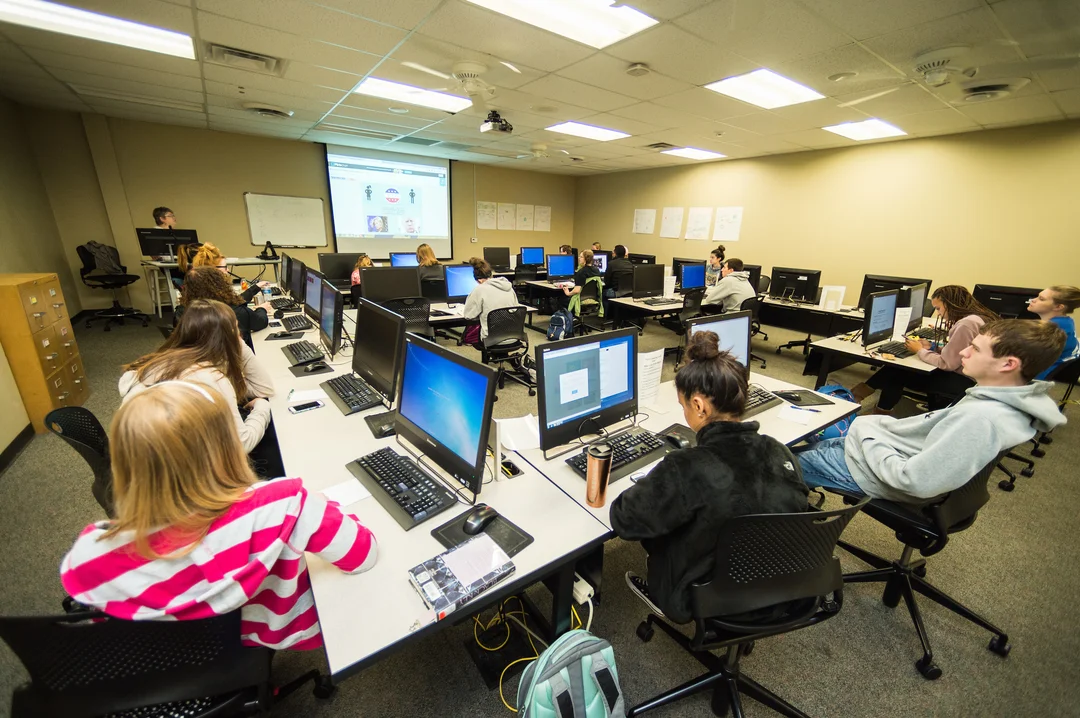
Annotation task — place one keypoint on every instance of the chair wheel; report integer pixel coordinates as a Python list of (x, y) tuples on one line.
[(762, 365), (928, 669), (1027, 471), (1006, 485), (1038, 453), (746, 649), (778, 349), (1046, 440), (645, 631), (1000, 645), (891, 595), (532, 392), (920, 571)]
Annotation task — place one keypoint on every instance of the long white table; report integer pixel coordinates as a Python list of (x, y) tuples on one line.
[(837, 353)]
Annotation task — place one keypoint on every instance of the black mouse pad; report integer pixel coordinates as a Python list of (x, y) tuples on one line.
[(510, 538), (803, 397), (680, 430), (272, 338), (376, 420), (299, 371)]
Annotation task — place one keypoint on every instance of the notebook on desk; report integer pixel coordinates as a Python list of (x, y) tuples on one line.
[(453, 578)]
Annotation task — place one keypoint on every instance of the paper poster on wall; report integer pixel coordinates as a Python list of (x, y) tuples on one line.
[(542, 219), (485, 215), (697, 223), (525, 217), (507, 216), (671, 222), (644, 221), (728, 224)]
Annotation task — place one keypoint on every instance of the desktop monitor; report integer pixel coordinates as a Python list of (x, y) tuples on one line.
[(732, 328), (600, 262), (585, 384), (878, 316), (156, 242), (498, 258), (914, 297), (560, 266), (330, 307), (404, 259), (797, 284), (641, 258), (882, 283), (649, 280), (532, 255), (755, 275), (377, 349), (1006, 302), (295, 280), (693, 276), (312, 293), (677, 263), (380, 284), (445, 409), (338, 265), (286, 271), (459, 282)]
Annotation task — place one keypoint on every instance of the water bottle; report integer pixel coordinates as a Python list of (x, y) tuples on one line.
[(268, 293)]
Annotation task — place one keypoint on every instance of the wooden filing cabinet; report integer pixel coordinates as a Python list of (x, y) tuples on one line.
[(35, 330)]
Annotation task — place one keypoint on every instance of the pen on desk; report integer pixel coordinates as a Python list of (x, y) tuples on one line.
[(803, 408)]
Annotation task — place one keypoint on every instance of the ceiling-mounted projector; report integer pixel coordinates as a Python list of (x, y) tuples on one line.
[(495, 123)]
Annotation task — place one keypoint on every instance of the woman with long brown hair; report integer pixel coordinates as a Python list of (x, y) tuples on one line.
[(429, 265), (209, 255), (197, 535), (206, 347), (208, 283)]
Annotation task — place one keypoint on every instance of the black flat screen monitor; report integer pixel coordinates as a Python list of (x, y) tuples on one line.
[(404, 259), (798, 284), (286, 270), (882, 283), (331, 305), (677, 263), (560, 266), (649, 280), (498, 258), (641, 258), (600, 261), (377, 351), (155, 242), (585, 384), (338, 265), (296, 281), (914, 297), (691, 276), (459, 282), (732, 328), (445, 409), (382, 283), (755, 275), (532, 255), (312, 293), (879, 315), (1006, 302)]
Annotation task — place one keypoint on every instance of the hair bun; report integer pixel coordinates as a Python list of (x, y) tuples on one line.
[(703, 346)]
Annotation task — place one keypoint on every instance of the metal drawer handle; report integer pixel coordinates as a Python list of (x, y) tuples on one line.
[(38, 314), (64, 396), (57, 305), (52, 356)]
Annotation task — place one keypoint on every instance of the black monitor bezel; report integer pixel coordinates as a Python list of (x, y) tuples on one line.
[(498, 266), (564, 434), (982, 290), (729, 316), (915, 321), (547, 266), (285, 268), (386, 386), (296, 291), (678, 262), (456, 298), (315, 313), (521, 257), (159, 240), (391, 256), (638, 258), (333, 342), (682, 268), (351, 264), (755, 275), (607, 261), (659, 269), (470, 476), (900, 282), (867, 337), (404, 272), (815, 282)]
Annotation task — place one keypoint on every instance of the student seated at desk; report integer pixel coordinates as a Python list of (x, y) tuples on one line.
[(585, 271), (733, 288), (618, 264), (965, 317), (428, 264), (208, 283), (488, 294), (1054, 304), (362, 261), (210, 256), (197, 535), (565, 249), (915, 459), (714, 266), (678, 509)]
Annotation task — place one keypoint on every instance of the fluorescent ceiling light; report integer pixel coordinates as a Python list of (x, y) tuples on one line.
[(692, 153), (866, 130), (597, 23), (92, 26), (410, 95), (589, 132), (764, 88)]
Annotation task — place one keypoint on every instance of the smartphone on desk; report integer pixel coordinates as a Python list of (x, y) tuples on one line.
[(309, 406)]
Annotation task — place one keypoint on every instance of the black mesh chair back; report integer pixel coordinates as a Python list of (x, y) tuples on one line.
[(416, 312), (1067, 373), (960, 506), (84, 433), (691, 303), (354, 296), (765, 560), (506, 325), (751, 304), (433, 289), (763, 284), (623, 283), (88, 664)]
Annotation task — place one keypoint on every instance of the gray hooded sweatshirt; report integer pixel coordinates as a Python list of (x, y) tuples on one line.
[(495, 293), (731, 291), (915, 459)]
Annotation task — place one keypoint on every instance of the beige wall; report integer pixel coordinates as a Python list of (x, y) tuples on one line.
[(13, 418), (998, 207)]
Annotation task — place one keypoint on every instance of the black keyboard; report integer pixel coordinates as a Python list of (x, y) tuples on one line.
[(631, 450), (398, 484), (350, 393), (284, 304), (302, 352), (931, 334), (296, 323), (275, 291), (759, 400), (897, 349), (657, 301)]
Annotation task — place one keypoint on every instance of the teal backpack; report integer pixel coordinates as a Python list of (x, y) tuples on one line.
[(574, 678)]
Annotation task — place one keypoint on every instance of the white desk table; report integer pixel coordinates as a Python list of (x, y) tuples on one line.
[(158, 280), (837, 353)]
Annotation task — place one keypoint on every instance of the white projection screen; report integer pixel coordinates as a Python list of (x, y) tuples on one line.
[(383, 202)]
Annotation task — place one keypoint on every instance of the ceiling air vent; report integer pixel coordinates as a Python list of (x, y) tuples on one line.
[(264, 110), (453, 146), (355, 131), (244, 60), (417, 141), (492, 152), (660, 146)]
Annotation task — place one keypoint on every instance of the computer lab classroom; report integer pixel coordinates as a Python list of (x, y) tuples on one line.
[(820, 141)]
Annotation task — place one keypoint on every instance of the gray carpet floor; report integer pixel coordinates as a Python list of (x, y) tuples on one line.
[(1018, 565)]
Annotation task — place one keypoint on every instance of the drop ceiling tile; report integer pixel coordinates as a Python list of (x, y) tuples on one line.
[(819, 113), (706, 103), (375, 104), (609, 72), (1041, 27), (815, 139), (502, 36), (976, 28), (935, 122), (762, 145), (49, 101), (667, 9), (354, 117), (765, 31), (188, 81), (471, 118), (26, 71), (870, 18), (156, 13), (905, 101), (441, 56), (621, 124), (676, 53), (1056, 80), (128, 87), (814, 71), (391, 12), (31, 40), (310, 21), (236, 114), (1068, 101), (1022, 110), (10, 52), (133, 110), (228, 94), (254, 83), (321, 76), (40, 91), (560, 89), (765, 123), (513, 100), (255, 129)]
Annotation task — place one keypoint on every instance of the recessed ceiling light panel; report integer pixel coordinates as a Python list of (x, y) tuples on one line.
[(597, 23), (692, 153), (589, 132), (764, 88), (374, 87), (866, 130)]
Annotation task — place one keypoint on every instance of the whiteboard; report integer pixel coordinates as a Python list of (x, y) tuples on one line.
[(285, 221)]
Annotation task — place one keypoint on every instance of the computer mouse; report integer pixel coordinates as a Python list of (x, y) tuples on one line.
[(385, 430), (279, 313), (314, 367), (677, 441), (478, 519), (280, 335)]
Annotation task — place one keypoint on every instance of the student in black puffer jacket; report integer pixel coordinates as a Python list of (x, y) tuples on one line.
[(678, 509)]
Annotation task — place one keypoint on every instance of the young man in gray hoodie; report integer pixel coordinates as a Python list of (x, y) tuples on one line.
[(489, 293), (915, 459), (733, 288)]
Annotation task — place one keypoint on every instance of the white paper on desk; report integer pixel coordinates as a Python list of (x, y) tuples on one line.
[(669, 286), (520, 433), (899, 327), (474, 559), (698, 221), (485, 215), (795, 415), (542, 219), (644, 221), (346, 493), (301, 397), (650, 365), (671, 222)]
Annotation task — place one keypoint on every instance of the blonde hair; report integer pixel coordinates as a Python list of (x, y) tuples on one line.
[(207, 256), (177, 463), (1067, 296), (426, 256), (363, 261)]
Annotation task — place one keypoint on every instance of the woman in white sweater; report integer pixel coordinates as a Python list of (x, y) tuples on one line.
[(206, 348)]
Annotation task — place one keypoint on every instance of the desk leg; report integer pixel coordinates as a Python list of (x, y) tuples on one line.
[(823, 370), (150, 277), (562, 599)]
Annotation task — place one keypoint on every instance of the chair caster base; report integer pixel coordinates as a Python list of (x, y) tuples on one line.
[(1006, 485), (928, 668), (1038, 453), (645, 631), (1028, 471), (1000, 645), (746, 648)]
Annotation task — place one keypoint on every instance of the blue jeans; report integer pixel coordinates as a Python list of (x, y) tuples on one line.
[(824, 466)]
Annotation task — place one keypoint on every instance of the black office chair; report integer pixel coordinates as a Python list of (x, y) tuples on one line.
[(764, 282), (773, 574), (523, 273), (753, 305), (88, 664), (591, 295), (417, 314), (355, 295), (166, 331), (506, 341), (96, 279), (84, 433), (925, 529), (691, 309), (433, 289), (622, 282)]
